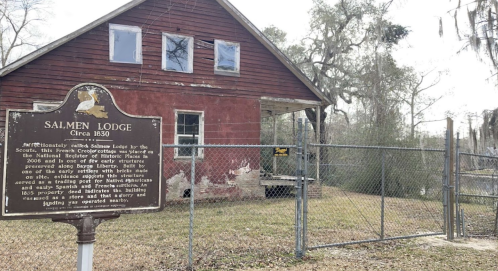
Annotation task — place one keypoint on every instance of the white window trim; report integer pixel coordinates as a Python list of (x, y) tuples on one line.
[(137, 30), (237, 59), (200, 137), (190, 53), (52, 105)]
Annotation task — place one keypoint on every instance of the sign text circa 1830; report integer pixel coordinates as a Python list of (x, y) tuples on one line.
[(87, 156)]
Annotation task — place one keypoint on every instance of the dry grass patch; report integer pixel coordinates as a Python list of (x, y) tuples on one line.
[(409, 255), (245, 235)]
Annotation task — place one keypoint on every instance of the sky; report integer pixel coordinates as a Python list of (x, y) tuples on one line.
[(466, 86)]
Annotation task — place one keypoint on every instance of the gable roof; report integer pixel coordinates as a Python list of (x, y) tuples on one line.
[(224, 3)]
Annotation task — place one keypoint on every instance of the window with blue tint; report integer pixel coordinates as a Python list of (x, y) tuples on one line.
[(227, 58), (125, 44), (178, 53)]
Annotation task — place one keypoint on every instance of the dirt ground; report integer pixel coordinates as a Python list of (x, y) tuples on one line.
[(473, 243), (428, 253)]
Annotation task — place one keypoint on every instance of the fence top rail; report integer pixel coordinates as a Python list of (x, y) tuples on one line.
[(226, 146), (222, 146), (478, 155), (479, 175), (376, 147)]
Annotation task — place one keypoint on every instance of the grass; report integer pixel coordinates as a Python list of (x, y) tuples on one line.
[(230, 235)]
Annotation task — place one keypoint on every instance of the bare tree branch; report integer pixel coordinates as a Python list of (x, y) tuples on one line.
[(17, 20)]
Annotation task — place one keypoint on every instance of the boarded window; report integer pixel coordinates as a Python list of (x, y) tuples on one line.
[(125, 44), (178, 53), (227, 58), (189, 131)]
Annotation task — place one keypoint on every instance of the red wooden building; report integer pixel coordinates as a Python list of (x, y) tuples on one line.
[(201, 65)]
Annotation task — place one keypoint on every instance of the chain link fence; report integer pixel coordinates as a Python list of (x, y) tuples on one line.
[(477, 195), (244, 201), (375, 193), (244, 216), (244, 211)]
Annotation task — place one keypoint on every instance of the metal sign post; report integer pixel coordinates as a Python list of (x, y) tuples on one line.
[(86, 226)]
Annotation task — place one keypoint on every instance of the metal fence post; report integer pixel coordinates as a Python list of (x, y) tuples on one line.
[(305, 187), (383, 191), (457, 187), (446, 184), (191, 225), (299, 156), (451, 182)]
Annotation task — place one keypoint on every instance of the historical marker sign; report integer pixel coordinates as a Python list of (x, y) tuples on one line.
[(86, 156)]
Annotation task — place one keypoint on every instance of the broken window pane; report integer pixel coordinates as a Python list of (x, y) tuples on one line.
[(178, 53), (227, 57)]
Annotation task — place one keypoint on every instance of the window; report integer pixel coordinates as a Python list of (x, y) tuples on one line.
[(178, 53), (189, 130), (45, 106), (226, 58), (125, 44)]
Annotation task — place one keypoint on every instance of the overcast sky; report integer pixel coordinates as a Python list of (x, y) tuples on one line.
[(465, 86)]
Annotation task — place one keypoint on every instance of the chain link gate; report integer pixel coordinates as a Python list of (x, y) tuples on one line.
[(245, 204), (476, 194), (370, 194)]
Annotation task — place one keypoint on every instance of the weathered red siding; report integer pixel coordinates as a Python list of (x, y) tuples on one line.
[(230, 104)]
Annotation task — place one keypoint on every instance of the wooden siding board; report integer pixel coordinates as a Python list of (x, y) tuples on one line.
[(197, 88), (271, 79), (152, 82)]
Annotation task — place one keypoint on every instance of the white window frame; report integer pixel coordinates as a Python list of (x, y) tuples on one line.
[(137, 30), (51, 105), (236, 72), (190, 52), (200, 136)]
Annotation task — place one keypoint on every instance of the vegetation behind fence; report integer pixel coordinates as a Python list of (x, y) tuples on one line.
[(477, 194), (376, 193)]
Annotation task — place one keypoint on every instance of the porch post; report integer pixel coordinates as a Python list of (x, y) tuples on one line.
[(274, 141)]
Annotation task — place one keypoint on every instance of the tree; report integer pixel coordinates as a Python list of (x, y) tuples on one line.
[(18, 19), (333, 47), (379, 86), (347, 56), (275, 35), (482, 28), (416, 99)]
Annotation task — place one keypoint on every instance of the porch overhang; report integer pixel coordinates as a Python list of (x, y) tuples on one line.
[(277, 106)]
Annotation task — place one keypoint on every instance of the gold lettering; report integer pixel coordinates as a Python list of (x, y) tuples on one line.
[(73, 125), (114, 127)]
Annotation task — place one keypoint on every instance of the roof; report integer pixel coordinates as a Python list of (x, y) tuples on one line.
[(224, 3)]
